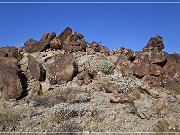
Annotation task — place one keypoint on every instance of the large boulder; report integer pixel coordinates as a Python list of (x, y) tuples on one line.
[(65, 34), (96, 47), (123, 66), (62, 70), (36, 69), (76, 46), (155, 43), (32, 45), (152, 57), (47, 37), (10, 51), (10, 78)]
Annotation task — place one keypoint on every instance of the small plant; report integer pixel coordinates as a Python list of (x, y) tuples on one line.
[(161, 126), (137, 94), (9, 117), (177, 90), (64, 111), (105, 65)]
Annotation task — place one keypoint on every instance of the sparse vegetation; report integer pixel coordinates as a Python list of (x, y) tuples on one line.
[(9, 117), (177, 90), (164, 126), (105, 65), (137, 94)]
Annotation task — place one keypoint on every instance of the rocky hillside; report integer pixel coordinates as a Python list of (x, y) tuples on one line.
[(62, 83)]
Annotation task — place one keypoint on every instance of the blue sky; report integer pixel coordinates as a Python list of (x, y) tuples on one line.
[(115, 25)]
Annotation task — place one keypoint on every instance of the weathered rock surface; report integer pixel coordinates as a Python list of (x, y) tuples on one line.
[(32, 45), (155, 43), (10, 51), (10, 83), (62, 70), (36, 69), (64, 35), (87, 87)]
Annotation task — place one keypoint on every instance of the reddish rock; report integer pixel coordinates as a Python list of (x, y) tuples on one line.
[(36, 69), (10, 51), (155, 43), (124, 66), (10, 84), (126, 52), (141, 69), (62, 70), (172, 68), (85, 76)]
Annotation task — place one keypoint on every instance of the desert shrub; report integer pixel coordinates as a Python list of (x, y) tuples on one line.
[(105, 65), (119, 84), (9, 117), (177, 90), (65, 111), (164, 126), (137, 94)]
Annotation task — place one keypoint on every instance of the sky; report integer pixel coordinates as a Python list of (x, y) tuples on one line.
[(114, 25)]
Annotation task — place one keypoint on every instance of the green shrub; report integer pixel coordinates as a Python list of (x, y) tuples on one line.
[(177, 90), (105, 65)]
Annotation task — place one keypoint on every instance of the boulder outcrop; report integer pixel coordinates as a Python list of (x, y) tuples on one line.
[(62, 70), (10, 75)]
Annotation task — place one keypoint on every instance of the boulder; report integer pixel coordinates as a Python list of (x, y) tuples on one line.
[(152, 57), (141, 69), (126, 52), (155, 43), (10, 75), (55, 43), (32, 45), (62, 70), (123, 66), (10, 51), (47, 37), (85, 76), (96, 47), (64, 35), (36, 69)]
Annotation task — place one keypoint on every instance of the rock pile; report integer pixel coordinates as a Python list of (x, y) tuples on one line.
[(63, 79)]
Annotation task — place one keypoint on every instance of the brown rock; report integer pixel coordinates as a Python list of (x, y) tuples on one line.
[(124, 66), (155, 43), (62, 70), (36, 69), (85, 76), (55, 43), (10, 84), (65, 34), (126, 52), (36, 90), (47, 37), (75, 37), (141, 69), (10, 51), (96, 47), (32, 45)]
